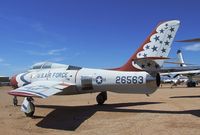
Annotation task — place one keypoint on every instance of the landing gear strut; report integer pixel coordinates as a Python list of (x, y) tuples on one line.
[(28, 107), (15, 101), (101, 98)]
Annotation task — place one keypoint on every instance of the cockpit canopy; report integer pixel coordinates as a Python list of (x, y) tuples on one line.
[(50, 65)]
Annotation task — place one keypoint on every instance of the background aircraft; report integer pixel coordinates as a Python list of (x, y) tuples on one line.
[(174, 80), (190, 40), (139, 75), (4, 81), (191, 72)]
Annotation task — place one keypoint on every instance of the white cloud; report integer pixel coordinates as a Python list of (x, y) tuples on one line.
[(56, 51), (34, 25), (194, 47), (77, 54), (6, 64), (53, 52), (3, 63), (38, 27), (42, 45), (1, 60), (35, 53)]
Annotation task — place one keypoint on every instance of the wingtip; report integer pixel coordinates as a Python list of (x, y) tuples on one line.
[(10, 92)]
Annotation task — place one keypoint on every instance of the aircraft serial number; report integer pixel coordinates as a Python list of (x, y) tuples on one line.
[(129, 79)]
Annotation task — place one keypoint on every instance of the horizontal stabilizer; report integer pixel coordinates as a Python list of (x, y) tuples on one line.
[(152, 58), (171, 62)]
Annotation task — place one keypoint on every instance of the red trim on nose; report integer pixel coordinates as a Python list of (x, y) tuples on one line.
[(13, 82)]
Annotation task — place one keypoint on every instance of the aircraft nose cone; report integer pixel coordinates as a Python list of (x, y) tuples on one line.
[(13, 82)]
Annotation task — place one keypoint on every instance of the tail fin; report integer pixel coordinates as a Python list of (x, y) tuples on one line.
[(180, 59), (151, 54)]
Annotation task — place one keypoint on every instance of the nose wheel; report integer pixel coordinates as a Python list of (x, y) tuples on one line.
[(30, 114), (28, 107), (101, 98)]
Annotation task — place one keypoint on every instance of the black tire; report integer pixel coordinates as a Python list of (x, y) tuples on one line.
[(32, 112), (191, 84), (101, 98), (194, 84)]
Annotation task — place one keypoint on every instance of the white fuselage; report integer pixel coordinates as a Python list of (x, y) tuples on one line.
[(94, 80)]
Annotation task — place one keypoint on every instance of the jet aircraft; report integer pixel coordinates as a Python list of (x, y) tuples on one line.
[(139, 75)]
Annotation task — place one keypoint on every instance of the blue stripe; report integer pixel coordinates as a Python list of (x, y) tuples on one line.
[(24, 80), (24, 107)]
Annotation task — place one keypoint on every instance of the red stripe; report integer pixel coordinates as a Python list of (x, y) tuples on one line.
[(22, 94)]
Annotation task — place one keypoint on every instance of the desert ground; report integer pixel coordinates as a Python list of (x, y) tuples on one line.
[(168, 112)]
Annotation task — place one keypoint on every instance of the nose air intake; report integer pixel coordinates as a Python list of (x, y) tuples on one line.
[(13, 82)]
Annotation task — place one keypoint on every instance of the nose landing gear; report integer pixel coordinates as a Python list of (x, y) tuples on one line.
[(28, 107)]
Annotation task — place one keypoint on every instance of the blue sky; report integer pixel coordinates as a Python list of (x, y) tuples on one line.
[(88, 33)]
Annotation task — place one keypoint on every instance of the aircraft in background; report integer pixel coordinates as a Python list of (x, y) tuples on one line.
[(190, 40), (139, 75), (174, 80), (191, 72), (4, 81)]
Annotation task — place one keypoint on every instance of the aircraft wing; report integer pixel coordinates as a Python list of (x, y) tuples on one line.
[(183, 72), (179, 69), (42, 89)]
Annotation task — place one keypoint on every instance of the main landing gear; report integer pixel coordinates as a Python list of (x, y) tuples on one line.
[(28, 107), (191, 84), (101, 98), (15, 101)]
